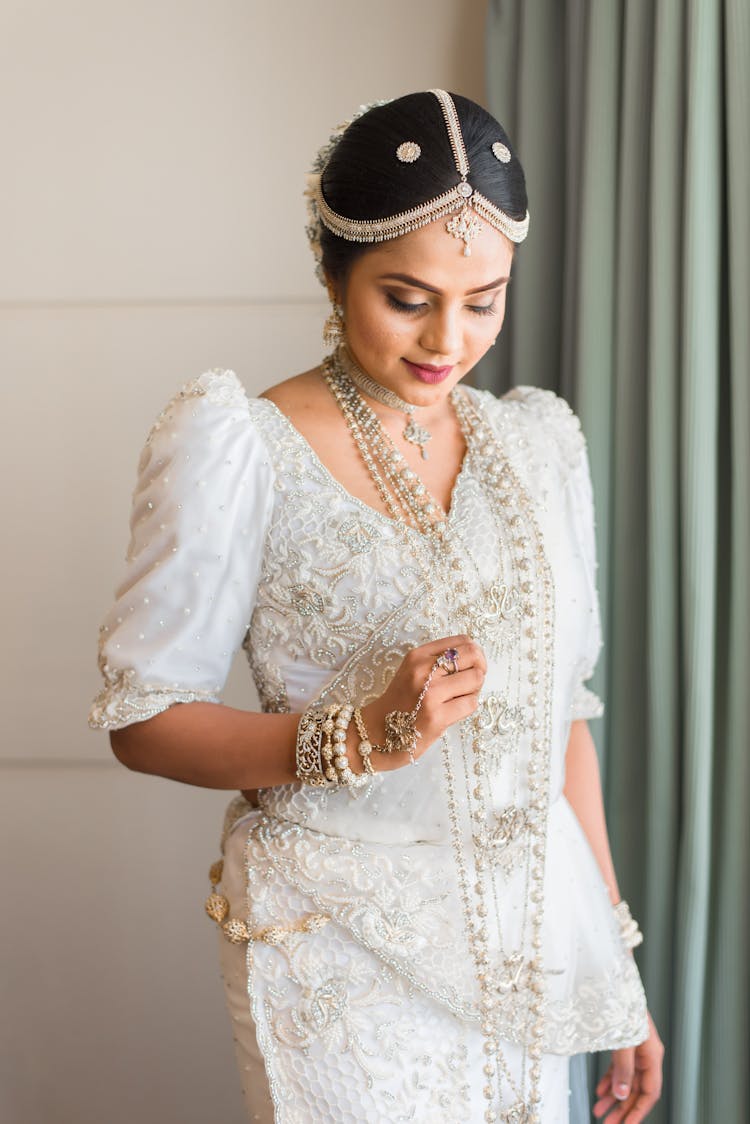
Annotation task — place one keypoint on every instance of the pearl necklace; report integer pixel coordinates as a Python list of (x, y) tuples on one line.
[(488, 844), (413, 432)]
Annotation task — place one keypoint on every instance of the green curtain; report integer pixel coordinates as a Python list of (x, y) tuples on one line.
[(631, 298)]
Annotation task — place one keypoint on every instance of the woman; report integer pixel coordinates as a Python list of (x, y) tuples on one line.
[(409, 565)]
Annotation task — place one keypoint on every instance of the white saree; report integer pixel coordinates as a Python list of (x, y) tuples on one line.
[(394, 1009)]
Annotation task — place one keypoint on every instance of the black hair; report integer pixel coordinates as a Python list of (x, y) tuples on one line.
[(364, 179)]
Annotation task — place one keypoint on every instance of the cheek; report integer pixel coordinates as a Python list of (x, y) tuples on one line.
[(378, 329)]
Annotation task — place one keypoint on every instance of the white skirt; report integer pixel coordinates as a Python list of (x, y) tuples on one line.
[(326, 1033)]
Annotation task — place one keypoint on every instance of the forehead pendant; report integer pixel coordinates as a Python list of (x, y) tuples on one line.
[(465, 225)]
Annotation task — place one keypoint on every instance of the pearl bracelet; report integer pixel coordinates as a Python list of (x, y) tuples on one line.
[(321, 755), (629, 931)]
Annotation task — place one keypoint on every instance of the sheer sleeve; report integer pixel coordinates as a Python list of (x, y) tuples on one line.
[(200, 511), (586, 704)]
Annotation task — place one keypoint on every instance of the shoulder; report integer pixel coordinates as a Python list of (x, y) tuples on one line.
[(210, 420), (532, 415), (217, 388)]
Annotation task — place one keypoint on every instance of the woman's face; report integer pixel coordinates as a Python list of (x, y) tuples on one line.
[(419, 315)]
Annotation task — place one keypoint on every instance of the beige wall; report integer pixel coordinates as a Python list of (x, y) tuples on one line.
[(153, 156)]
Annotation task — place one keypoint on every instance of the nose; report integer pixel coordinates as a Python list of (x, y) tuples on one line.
[(441, 333)]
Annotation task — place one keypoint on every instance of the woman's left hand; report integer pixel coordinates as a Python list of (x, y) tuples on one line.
[(632, 1085)]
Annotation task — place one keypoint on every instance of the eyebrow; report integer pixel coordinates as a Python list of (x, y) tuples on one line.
[(415, 283)]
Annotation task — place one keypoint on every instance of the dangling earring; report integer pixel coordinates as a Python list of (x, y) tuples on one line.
[(333, 328)]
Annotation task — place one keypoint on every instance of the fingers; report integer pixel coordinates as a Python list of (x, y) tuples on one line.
[(644, 1102), (466, 682), (464, 706), (623, 1068), (469, 652), (645, 1083)]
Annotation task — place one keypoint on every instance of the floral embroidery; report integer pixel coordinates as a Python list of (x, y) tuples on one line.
[(358, 535), (124, 699), (306, 600)]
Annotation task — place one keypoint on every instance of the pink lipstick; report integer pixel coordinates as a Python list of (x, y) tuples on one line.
[(425, 372)]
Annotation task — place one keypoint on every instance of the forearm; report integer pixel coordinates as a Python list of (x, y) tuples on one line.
[(584, 793), (216, 746), (212, 746)]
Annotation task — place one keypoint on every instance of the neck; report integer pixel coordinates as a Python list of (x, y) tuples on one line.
[(433, 413)]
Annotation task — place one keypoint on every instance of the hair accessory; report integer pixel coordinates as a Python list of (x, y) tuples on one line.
[(334, 327), (448, 661), (408, 152), (502, 152), (413, 432), (462, 199), (312, 182)]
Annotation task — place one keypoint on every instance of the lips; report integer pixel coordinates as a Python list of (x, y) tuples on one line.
[(425, 372)]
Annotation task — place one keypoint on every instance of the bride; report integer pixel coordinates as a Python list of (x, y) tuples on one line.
[(418, 913)]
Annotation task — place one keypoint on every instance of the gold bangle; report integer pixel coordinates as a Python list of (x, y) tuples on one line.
[(308, 748)]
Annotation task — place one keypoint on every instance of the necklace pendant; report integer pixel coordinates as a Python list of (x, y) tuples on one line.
[(417, 435)]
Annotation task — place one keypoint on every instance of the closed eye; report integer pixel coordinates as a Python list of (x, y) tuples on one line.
[(407, 306), (403, 306)]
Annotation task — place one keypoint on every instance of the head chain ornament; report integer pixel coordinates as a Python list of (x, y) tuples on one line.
[(323, 155), (465, 205)]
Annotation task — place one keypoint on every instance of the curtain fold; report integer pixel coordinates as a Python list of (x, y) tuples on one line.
[(631, 298)]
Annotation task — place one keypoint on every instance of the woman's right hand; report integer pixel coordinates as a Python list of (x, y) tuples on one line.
[(449, 698)]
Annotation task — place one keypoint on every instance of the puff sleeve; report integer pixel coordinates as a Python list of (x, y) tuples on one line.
[(586, 704), (200, 511)]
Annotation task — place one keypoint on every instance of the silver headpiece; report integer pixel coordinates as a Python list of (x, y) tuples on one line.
[(462, 205)]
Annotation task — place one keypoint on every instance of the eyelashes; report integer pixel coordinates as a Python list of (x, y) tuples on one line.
[(406, 307)]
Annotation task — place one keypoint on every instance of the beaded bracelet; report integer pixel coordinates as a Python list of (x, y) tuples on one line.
[(629, 931), (365, 745), (321, 755)]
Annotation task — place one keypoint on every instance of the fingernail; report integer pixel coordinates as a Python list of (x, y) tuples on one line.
[(621, 1091)]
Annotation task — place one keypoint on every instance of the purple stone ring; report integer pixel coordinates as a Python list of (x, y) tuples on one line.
[(449, 661)]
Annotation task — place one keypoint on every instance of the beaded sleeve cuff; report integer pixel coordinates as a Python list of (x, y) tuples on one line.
[(585, 704), (125, 700)]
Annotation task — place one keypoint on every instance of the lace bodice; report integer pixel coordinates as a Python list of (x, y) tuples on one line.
[(240, 535)]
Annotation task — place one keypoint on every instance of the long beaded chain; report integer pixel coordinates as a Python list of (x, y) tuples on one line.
[(511, 984)]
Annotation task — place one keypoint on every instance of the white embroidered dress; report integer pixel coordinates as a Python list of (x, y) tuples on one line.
[(240, 537)]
